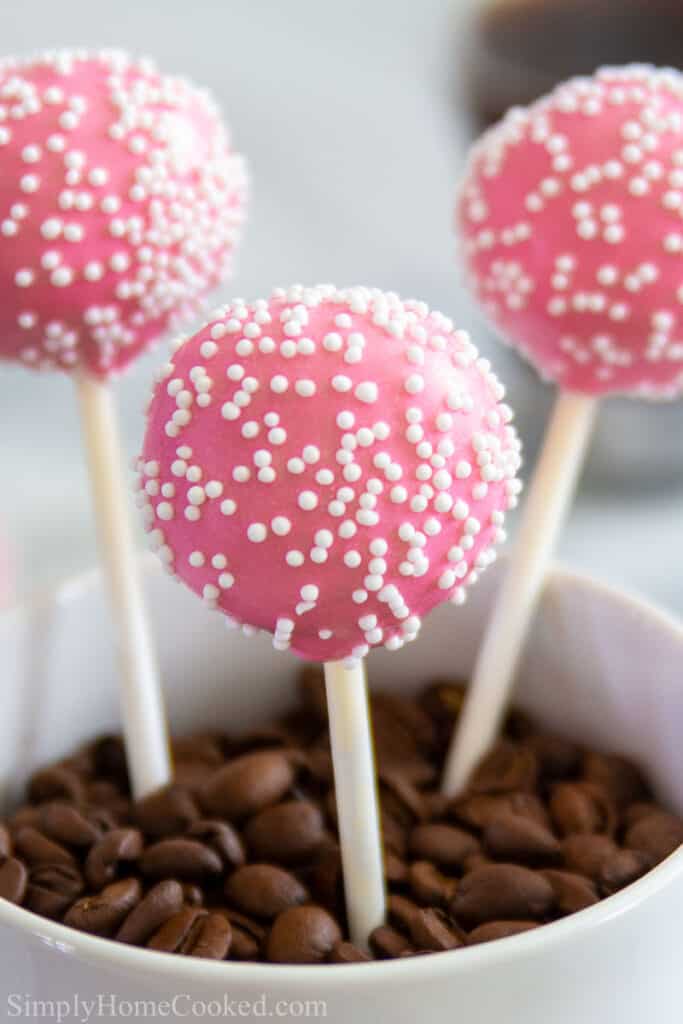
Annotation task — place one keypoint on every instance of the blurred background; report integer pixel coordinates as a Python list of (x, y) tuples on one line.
[(355, 119)]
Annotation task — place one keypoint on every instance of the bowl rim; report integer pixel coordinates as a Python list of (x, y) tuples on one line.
[(435, 966)]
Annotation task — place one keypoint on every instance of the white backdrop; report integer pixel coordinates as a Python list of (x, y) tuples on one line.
[(347, 113)]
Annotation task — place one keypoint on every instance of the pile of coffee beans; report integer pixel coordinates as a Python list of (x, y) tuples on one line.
[(239, 858)]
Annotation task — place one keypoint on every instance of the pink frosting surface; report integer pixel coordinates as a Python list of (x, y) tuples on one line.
[(572, 218), (328, 465), (120, 204)]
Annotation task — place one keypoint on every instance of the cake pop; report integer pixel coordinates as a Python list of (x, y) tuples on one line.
[(350, 449), (570, 215), (120, 203), (571, 219), (328, 465)]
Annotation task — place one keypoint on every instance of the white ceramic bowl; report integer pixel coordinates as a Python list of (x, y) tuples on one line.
[(601, 667)]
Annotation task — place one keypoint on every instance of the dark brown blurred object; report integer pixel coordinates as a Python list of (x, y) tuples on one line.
[(523, 48)]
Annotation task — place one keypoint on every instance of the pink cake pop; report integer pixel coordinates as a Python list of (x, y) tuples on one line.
[(328, 466), (571, 215), (121, 201)]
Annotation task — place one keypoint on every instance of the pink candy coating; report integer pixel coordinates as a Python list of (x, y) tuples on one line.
[(120, 204), (572, 216), (328, 465)]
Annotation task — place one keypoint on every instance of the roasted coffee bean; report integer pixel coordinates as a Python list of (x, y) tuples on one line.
[(81, 762), (302, 935), (637, 811), (104, 913), (212, 939), (247, 936), (193, 894), (288, 833), (319, 766), (264, 890), (401, 911), (108, 799), (443, 702), (479, 810), (13, 880), (499, 930), (24, 816), (107, 796), (194, 932), (331, 809), (115, 851), (36, 849), (430, 930), (582, 807), (558, 759), (395, 743), (324, 878), (160, 903), (403, 716), (271, 737), (67, 824), (5, 843), (244, 946), (499, 892), (619, 777), (521, 840), (53, 888), (247, 785), (402, 799), (395, 869), (166, 812), (101, 818), (257, 929), (388, 943), (436, 805), (625, 867), (184, 859), (429, 886), (508, 767), (420, 772), (445, 845), (207, 748), (222, 838), (347, 953), (55, 784), (110, 761), (394, 836), (572, 892), (587, 854), (475, 860), (193, 776), (175, 935), (656, 834)]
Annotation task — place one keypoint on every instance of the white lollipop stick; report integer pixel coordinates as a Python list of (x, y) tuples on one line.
[(356, 792), (144, 720), (548, 500)]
